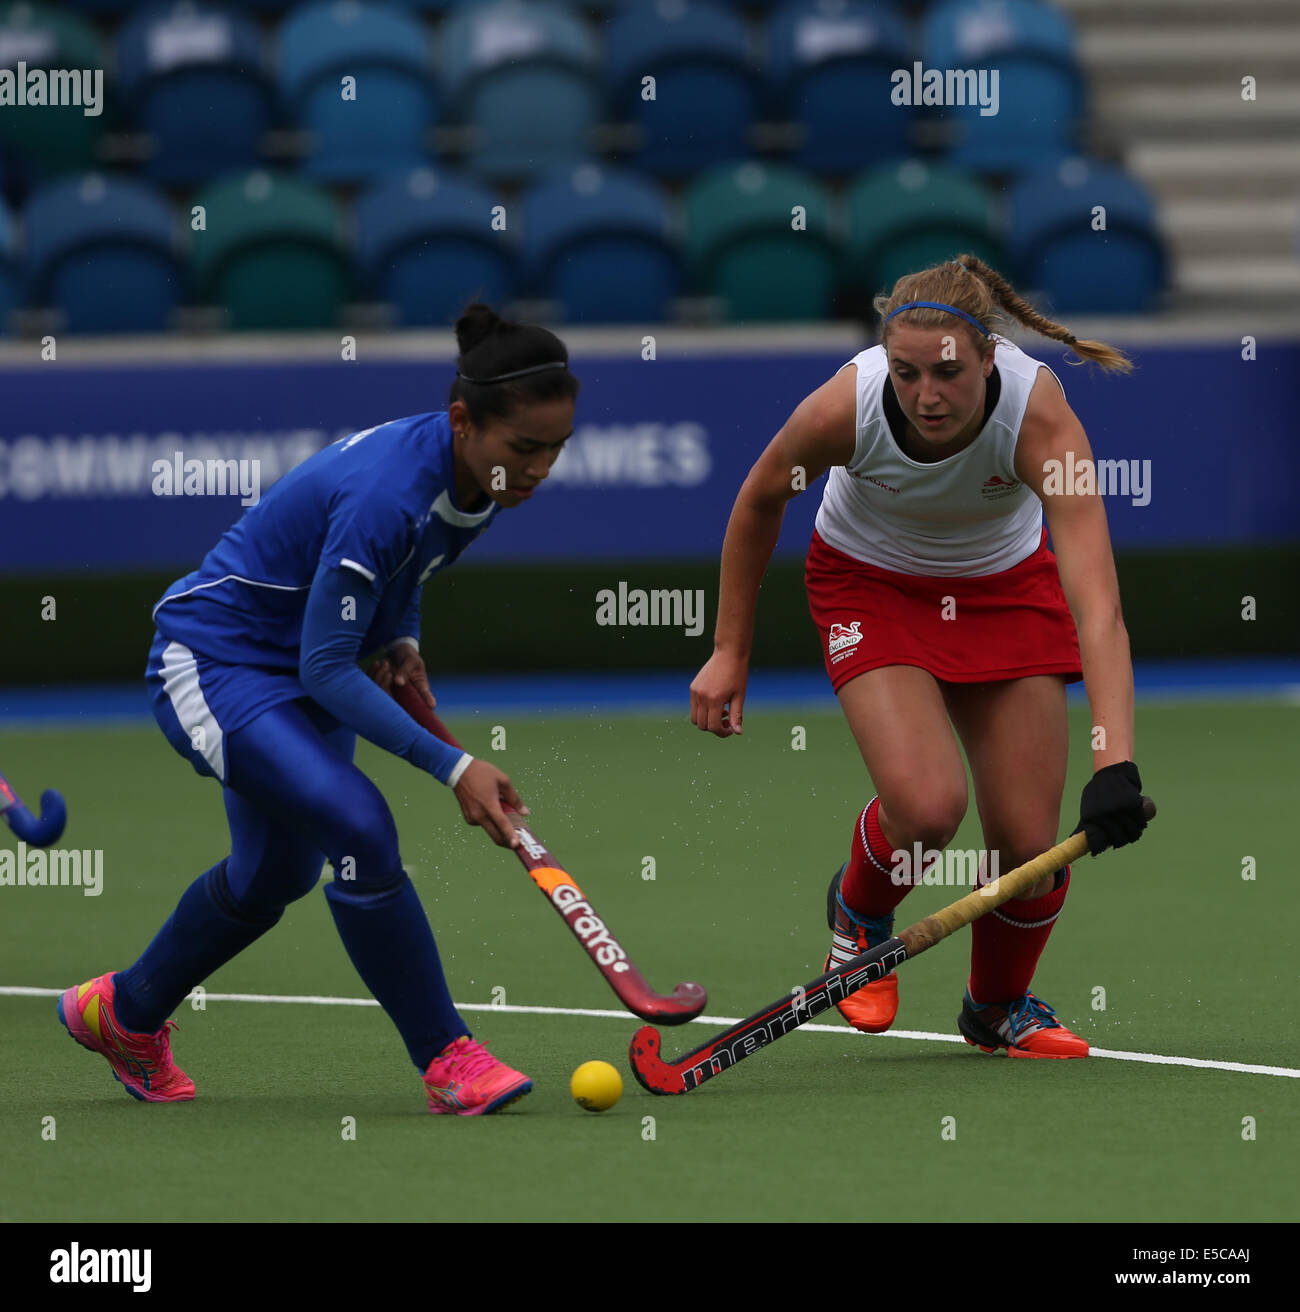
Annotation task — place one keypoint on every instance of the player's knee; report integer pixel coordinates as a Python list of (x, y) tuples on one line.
[(240, 901), (1008, 855), (930, 817), (365, 849), (371, 889), (302, 875)]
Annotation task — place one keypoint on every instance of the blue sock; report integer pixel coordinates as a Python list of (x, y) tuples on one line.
[(201, 935), (387, 936)]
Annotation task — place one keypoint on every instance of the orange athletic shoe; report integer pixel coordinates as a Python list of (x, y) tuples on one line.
[(871, 1009), (465, 1079), (1025, 1027), (142, 1063)]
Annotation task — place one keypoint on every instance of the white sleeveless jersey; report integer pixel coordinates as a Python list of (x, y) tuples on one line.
[(964, 516)]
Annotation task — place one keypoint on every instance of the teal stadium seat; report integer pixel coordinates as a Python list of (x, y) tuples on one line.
[(385, 124), (908, 216), (273, 253), (524, 77), (40, 142), (742, 243), (425, 245)]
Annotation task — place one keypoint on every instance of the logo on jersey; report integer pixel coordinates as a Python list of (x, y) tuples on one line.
[(995, 488), (867, 478), (843, 636)]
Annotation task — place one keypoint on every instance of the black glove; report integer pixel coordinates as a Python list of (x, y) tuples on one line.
[(1110, 811)]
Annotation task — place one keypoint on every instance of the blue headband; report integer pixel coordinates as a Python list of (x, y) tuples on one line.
[(936, 305)]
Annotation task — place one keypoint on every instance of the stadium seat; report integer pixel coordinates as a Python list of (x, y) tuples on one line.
[(272, 253), (1040, 90), (524, 77), (599, 241), (1080, 269), (113, 8), (95, 9), (384, 124), (10, 289), (102, 251), (40, 142), (706, 91), (829, 66), (425, 244), (743, 245), (193, 78), (909, 216)]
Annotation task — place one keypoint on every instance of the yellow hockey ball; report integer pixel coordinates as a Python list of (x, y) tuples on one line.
[(596, 1086)]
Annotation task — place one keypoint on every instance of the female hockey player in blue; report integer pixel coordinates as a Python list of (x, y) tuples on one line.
[(255, 680)]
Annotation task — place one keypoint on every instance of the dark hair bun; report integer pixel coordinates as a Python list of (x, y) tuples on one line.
[(476, 325)]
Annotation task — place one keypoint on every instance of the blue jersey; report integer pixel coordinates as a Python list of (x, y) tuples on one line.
[(327, 568), (380, 504)]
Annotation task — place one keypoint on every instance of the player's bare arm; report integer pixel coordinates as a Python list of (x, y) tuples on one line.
[(819, 433), (1050, 432)]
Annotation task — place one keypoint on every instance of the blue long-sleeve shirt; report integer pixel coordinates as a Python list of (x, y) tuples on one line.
[(327, 568)]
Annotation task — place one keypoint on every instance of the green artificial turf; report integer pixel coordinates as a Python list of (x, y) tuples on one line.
[(1194, 962)]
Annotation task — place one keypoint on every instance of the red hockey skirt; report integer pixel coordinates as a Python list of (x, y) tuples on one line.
[(1008, 625)]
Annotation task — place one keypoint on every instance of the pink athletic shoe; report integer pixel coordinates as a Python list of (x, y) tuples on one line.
[(467, 1080), (142, 1063)]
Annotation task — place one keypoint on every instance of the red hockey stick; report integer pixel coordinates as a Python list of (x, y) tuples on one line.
[(686, 1001)]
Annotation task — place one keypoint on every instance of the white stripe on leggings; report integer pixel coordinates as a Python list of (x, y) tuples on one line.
[(180, 675)]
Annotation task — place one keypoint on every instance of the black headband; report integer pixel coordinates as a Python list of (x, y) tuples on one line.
[(518, 373)]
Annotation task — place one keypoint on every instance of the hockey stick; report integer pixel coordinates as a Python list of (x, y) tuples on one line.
[(689, 1071), (36, 832), (686, 1001)]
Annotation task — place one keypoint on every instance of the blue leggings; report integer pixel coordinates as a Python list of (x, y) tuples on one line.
[(294, 799)]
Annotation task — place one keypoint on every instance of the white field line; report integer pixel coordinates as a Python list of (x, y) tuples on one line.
[(307, 999)]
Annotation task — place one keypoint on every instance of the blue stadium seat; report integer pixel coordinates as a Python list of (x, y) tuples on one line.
[(525, 78), (112, 8), (829, 66), (10, 290), (1040, 89), (193, 77), (426, 244), (105, 8), (599, 241), (385, 122), (1056, 249), (607, 9), (103, 252), (706, 90)]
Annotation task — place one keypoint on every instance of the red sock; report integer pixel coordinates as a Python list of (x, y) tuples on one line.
[(867, 886), (1006, 944)]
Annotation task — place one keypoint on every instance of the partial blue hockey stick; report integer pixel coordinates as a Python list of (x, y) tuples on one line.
[(37, 831)]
